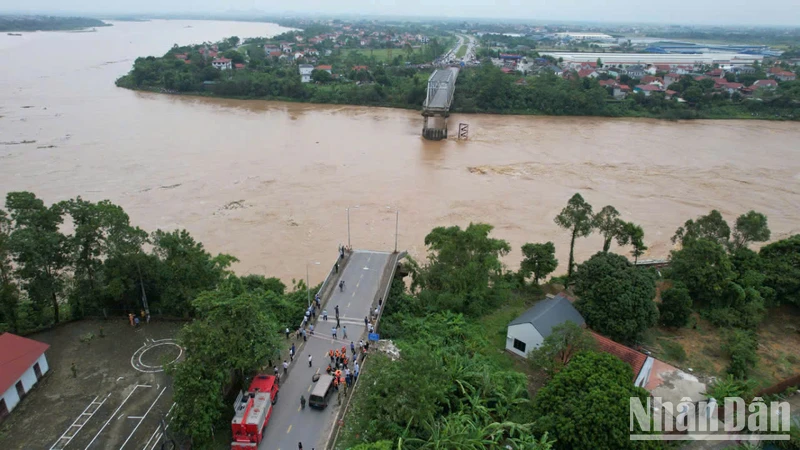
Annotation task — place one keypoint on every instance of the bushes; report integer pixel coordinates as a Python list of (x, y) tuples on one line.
[(741, 347), (673, 351), (675, 307)]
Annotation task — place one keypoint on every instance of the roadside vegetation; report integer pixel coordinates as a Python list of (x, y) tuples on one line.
[(453, 386), (106, 266), (467, 392)]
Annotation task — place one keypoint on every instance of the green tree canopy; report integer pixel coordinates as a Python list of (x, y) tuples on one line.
[(632, 234), (675, 308), (40, 250), (564, 342), (608, 223), (750, 227), (187, 269), (586, 405), (538, 260), (615, 297), (578, 219), (232, 332), (704, 267), (461, 265), (781, 266), (711, 227)]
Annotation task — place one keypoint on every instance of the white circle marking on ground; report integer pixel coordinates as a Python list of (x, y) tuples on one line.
[(136, 359)]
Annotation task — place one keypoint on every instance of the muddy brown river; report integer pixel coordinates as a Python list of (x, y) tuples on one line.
[(269, 182)]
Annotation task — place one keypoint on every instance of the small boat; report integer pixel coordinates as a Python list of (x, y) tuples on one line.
[(15, 34)]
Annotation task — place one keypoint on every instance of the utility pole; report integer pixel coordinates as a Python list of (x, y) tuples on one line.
[(348, 227), (396, 227), (144, 295)]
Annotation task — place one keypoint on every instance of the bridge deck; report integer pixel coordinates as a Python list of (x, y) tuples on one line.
[(442, 94)]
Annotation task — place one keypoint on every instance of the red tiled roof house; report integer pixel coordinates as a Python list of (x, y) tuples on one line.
[(22, 365)]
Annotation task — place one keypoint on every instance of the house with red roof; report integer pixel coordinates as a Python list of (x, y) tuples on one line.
[(359, 68), (671, 78), (766, 84), (238, 66), (607, 83), (221, 63), (587, 73), (324, 67), (22, 365), (647, 89), (716, 73), (784, 75)]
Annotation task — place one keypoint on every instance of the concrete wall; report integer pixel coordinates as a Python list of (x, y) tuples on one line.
[(28, 381), (526, 333)]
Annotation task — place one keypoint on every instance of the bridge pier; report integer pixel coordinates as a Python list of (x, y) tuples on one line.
[(434, 127)]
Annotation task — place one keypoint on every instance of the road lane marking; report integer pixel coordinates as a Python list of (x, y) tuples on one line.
[(309, 388), (290, 429), (142, 419), (112, 416)]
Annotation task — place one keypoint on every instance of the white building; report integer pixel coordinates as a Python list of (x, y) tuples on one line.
[(221, 63), (528, 331), (584, 36), (22, 364), (305, 72), (628, 59)]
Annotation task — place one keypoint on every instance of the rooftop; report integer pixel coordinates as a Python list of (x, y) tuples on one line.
[(549, 313), (17, 354)]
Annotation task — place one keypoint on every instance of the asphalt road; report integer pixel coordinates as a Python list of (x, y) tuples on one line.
[(289, 424)]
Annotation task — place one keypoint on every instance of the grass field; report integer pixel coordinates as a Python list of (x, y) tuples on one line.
[(380, 54), (461, 51)]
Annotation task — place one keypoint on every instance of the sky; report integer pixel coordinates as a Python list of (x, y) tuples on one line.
[(714, 12)]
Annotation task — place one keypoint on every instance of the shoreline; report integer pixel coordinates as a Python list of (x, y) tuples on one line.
[(455, 111)]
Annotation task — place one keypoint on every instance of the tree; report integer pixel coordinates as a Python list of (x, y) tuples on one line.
[(39, 248), (186, 269), (564, 342), (675, 308), (615, 297), (320, 76), (100, 229), (461, 265), (633, 234), (539, 260), (607, 222), (741, 347), (704, 267), (711, 227), (781, 267), (750, 227), (586, 405), (9, 293), (577, 218), (232, 332)]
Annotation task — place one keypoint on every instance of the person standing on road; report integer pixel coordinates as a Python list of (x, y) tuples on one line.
[(285, 367), (366, 321), (344, 332), (299, 446), (333, 332), (338, 324), (352, 347), (287, 332), (305, 338), (311, 329), (276, 371), (325, 315), (309, 360)]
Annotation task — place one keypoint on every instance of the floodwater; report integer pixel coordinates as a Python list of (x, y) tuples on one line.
[(270, 182)]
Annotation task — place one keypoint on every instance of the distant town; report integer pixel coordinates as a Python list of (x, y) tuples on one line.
[(628, 72)]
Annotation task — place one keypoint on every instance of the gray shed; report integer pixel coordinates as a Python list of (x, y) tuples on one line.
[(528, 331)]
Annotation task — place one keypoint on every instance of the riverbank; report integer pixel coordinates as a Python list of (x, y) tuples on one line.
[(484, 89), (717, 114)]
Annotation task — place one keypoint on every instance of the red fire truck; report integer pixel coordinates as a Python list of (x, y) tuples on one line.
[(253, 411)]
